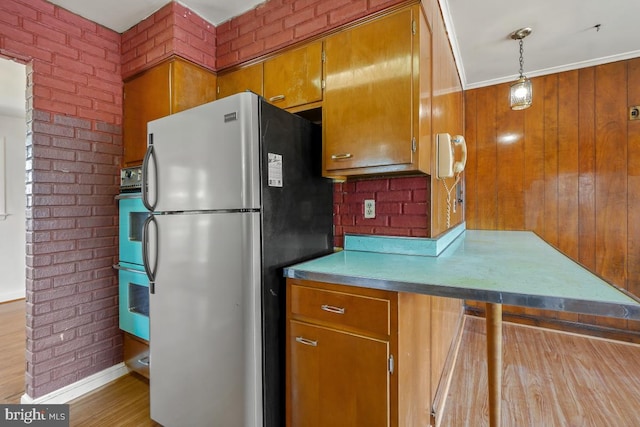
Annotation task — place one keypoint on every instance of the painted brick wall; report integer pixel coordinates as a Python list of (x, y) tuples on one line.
[(402, 207), (279, 23), (74, 146), (174, 29)]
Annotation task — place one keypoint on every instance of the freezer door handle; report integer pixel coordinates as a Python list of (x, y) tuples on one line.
[(149, 165), (150, 265)]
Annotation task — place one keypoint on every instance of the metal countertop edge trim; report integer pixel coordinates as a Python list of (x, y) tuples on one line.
[(607, 309)]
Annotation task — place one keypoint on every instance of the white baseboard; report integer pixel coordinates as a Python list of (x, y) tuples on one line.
[(12, 295), (77, 389)]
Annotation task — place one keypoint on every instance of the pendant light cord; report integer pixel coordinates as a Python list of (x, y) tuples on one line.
[(521, 59)]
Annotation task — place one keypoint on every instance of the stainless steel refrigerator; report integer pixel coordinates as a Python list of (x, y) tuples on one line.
[(236, 194)]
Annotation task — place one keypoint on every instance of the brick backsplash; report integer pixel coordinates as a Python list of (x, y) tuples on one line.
[(402, 207), (74, 147)]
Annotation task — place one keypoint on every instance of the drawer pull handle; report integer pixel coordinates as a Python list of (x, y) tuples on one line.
[(306, 341), (276, 98), (341, 156), (332, 309)]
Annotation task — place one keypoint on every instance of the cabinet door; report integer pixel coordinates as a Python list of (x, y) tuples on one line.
[(146, 97), (294, 77), (336, 378), (368, 107), (191, 86), (167, 88), (243, 79)]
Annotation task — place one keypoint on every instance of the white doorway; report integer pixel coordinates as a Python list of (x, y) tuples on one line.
[(13, 127)]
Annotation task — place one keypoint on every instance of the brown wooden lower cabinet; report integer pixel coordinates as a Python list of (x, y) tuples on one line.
[(341, 371), (356, 356)]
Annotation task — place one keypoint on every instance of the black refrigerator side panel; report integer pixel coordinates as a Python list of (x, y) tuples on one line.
[(297, 224)]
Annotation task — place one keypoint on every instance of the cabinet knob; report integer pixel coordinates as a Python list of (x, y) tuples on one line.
[(306, 341), (332, 309)]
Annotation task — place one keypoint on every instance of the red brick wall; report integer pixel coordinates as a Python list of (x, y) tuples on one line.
[(174, 29), (402, 207), (74, 146), (279, 23)]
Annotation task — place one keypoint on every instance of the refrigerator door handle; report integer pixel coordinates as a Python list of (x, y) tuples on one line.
[(149, 157), (149, 267)]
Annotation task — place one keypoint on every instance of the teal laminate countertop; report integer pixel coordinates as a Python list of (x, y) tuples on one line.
[(504, 267)]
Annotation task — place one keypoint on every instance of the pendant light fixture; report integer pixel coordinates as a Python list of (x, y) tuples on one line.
[(521, 92)]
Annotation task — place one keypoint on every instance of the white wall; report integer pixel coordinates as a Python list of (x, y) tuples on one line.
[(12, 228)]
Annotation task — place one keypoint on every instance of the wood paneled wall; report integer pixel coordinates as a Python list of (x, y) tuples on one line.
[(446, 117), (568, 168), (446, 113)]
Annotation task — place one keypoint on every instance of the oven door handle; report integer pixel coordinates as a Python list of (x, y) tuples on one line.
[(149, 163), (150, 266), (127, 269)]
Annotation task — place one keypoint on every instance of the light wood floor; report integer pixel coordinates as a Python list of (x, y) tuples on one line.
[(550, 379), (123, 402), (12, 342)]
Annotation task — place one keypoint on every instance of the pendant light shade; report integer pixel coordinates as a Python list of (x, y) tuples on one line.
[(521, 93)]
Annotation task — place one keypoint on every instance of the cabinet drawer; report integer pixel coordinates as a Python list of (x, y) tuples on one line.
[(346, 310)]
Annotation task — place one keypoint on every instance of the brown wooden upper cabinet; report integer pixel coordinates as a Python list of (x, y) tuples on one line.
[(377, 99), (290, 79), (172, 86), (294, 77), (241, 80)]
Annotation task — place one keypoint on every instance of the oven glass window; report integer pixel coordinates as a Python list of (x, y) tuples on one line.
[(139, 299), (136, 222)]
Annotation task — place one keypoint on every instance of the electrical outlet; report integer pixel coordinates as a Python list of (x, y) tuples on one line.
[(369, 208)]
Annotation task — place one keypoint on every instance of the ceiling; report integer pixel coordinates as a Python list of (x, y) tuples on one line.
[(120, 15), (564, 35)]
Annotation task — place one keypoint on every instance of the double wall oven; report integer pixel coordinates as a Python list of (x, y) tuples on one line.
[(133, 281)]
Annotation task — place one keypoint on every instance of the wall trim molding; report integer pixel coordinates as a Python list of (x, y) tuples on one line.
[(555, 70), (13, 295), (79, 388)]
